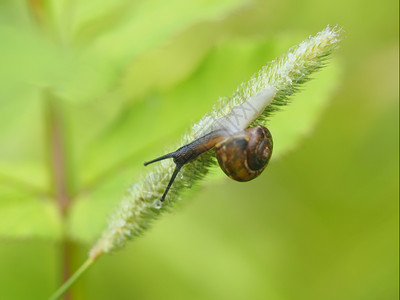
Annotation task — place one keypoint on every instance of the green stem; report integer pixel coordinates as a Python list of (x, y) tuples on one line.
[(66, 285)]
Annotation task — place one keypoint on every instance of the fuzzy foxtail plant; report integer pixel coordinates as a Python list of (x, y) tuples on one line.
[(263, 94)]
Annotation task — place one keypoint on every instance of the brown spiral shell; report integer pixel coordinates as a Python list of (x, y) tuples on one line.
[(244, 156)]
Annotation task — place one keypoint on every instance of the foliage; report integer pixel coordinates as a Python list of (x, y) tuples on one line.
[(122, 78)]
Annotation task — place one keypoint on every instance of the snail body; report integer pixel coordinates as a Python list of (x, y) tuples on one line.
[(242, 155)]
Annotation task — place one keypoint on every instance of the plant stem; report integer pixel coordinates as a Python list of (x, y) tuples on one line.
[(59, 175), (66, 263), (67, 284)]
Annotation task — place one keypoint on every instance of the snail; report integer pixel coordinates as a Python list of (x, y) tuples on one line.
[(242, 155)]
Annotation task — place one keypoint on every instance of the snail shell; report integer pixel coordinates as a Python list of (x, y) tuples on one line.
[(244, 156)]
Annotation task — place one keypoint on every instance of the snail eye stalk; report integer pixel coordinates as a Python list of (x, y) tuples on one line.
[(175, 155), (176, 171), (169, 155)]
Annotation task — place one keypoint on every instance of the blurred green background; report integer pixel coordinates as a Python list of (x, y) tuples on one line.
[(110, 84)]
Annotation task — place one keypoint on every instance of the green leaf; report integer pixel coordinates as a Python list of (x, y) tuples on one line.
[(22, 136), (27, 215), (85, 60)]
